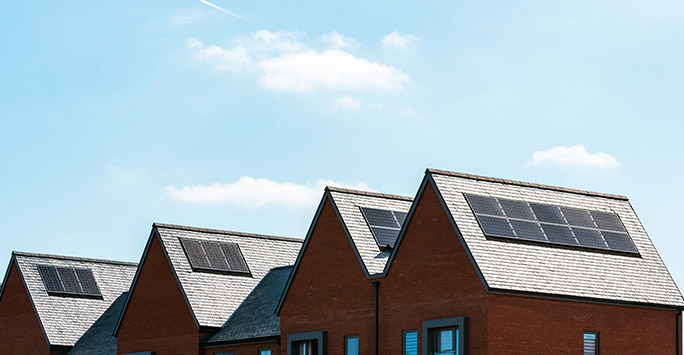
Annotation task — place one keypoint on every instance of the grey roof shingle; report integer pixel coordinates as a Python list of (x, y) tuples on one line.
[(255, 318), (549, 270), (65, 319), (348, 203), (99, 339), (213, 297)]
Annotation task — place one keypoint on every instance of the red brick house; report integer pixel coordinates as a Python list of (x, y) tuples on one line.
[(479, 266), (48, 302), (189, 282)]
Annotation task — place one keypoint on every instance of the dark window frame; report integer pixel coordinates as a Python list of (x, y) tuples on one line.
[(595, 332), (461, 323), (320, 336), (226, 353), (353, 336), (403, 339)]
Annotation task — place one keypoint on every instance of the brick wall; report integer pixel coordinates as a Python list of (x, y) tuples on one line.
[(246, 349), (20, 330), (157, 316)]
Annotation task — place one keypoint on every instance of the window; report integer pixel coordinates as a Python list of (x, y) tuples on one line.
[(351, 345), (591, 343), (311, 343), (226, 353), (410, 343), (266, 351), (445, 336)]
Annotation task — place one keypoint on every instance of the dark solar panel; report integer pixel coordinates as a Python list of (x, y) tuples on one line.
[(216, 258), (618, 241), (578, 217), (87, 280), (196, 256), (401, 217), (69, 280), (385, 236), (589, 237), (381, 218), (234, 257), (547, 213), (558, 234), (528, 230), (517, 209), (607, 220), (50, 279), (484, 205), (495, 226)]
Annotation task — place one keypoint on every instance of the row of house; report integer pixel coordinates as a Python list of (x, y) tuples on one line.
[(470, 265)]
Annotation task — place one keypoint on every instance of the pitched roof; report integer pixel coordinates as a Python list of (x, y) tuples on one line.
[(99, 339), (255, 318), (65, 319), (549, 270), (347, 203), (213, 297)]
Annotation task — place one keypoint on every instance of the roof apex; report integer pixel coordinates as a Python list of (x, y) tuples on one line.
[(225, 232), (368, 193), (525, 184), (74, 258)]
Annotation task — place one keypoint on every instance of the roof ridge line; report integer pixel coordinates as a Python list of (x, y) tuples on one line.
[(74, 258), (368, 193), (525, 184), (225, 232)]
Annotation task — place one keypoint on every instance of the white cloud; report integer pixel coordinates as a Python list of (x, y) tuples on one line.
[(576, 156), (347, 103), (285, 62), (398, 41), (337, 40), (251, 192), (330, 69)]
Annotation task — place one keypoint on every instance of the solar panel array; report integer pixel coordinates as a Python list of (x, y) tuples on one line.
[(69, 281), (384, 224), (550, 224), (215, 256)]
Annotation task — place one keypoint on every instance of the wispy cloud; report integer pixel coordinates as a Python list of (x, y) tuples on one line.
[(286, 63), (224, 10), (254, 193), (337, 40), (396, 40), (347, 103), (576, 156)]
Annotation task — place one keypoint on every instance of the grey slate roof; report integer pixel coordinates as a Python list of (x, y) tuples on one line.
[(543, 269), (348, 203), (256, 318), (214, 297), (65, 319), (99, 339)]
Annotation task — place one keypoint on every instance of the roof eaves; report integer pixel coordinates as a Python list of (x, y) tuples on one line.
[(225, 232), (74, 258), (367, 193), (525, 184)]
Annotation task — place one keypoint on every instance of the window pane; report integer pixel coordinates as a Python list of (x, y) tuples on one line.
[(265, 352), (446, 341), (590, 344), (411, 343), (352, 346)]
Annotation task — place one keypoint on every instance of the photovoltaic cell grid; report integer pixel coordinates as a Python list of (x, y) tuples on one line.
[(69, 281), (551, 224), (384, 224), (215, 256)]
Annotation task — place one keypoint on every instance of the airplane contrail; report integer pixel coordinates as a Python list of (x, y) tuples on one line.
[(224, 10)]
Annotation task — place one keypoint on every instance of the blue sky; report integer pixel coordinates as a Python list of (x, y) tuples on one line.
[(114, 115)]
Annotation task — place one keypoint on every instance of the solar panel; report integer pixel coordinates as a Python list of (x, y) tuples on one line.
[(496, 226), (484, 205), (385, 225), (207, 255), (234, 257), (528, 230), (517, 209), (87, 280), (550, 224), (50, 279), (609, 221), (68, 281)]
